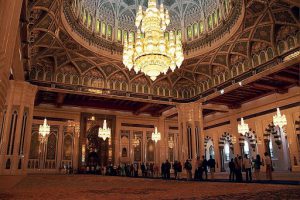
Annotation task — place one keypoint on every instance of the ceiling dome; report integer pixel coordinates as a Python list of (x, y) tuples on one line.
[(123, 12)]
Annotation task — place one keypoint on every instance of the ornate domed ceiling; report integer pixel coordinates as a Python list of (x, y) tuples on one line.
[(123, 12), (63, 52)]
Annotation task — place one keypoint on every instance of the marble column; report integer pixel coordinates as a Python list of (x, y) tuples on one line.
[(190, 116), (14, 151), (9, 22)]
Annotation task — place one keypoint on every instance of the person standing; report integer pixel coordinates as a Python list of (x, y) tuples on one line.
[(212, 167), (231, 168), (257, 164), (179, 170), (238, 169), (204, 166), (247, 167), (163, 170), (268, 163), (188, 167), (167, 168), (175, 167)]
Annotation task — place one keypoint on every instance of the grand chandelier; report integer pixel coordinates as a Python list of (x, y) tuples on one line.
[(44, 131), (104, 132), (243, 128), (150, 52), (279, 119), (156, 135)]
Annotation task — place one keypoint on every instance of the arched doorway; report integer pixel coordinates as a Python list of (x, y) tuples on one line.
[(276, 144), (248, 144), (97, 149), (226, 150), (209, 148)]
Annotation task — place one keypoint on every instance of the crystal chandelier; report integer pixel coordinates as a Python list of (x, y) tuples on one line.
[(155, 135), (136, 141), (150, 52), (104, 132), (279, 119), (243, 128), (44, 131), (171, 143)]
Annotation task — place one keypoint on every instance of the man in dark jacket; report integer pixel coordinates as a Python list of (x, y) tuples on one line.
[(232, 170), (167, 169), (212, 165), (163, 170), (204, 165)]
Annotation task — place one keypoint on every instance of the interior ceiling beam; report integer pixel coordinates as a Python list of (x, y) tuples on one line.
[(60, 99), (264, 86), (292, 72), (284, 79), (214, 107), (165, 108), (142, 108)]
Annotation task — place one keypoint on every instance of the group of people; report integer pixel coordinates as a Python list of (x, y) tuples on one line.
[(202, 165), (239, 164)]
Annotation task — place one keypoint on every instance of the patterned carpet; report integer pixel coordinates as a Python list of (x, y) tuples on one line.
[(84, 187)]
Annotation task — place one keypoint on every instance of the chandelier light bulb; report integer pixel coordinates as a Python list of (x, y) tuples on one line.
[(243, 128), (279, 119)]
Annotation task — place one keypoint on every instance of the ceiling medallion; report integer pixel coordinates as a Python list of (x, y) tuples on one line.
[(44, 131), (156, 135), (279, 119), (150, 52), (243, 128), (104, 132)]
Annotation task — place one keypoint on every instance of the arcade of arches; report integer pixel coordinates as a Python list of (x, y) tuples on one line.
[(61, 59)]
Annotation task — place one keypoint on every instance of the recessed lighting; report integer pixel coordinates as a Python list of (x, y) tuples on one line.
[(222, 91), (240, 83)]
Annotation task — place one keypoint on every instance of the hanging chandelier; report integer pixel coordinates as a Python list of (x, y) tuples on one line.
[(279, 119), (155, 135), (104, 132), (150, 52), (243, 128), (171, 143), (136, 141), (44, 131)]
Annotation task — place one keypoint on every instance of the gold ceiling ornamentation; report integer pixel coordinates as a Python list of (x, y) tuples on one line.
[(150, 52)]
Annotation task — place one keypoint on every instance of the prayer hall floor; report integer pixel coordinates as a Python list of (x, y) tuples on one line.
[(57, 187)]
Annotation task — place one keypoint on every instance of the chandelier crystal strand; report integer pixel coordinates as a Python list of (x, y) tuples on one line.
[(243, 128), (156, 135), (104, 132), (279, 119), (44, 130), (150, 52)]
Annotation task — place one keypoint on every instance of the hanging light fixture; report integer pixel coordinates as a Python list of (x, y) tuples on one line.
[(155, 135), (44, 131), (243, 128), (150, 52), (279, 119), (171, 143), (104, 132), (136, 141)]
